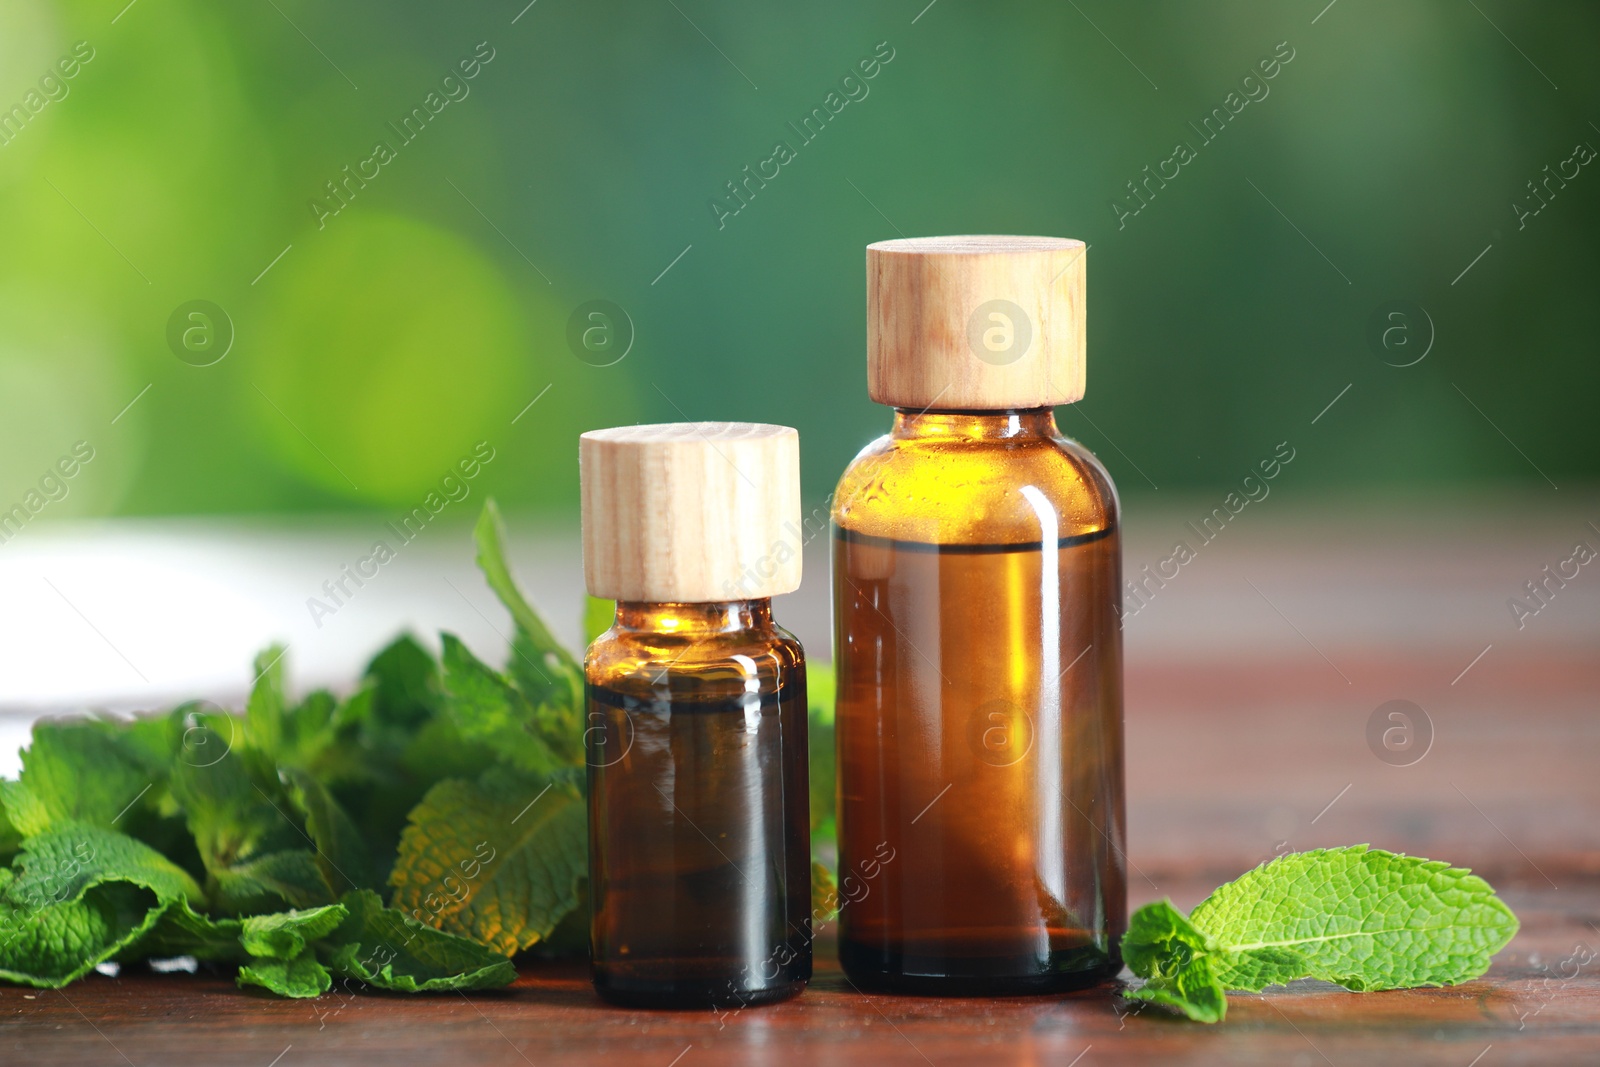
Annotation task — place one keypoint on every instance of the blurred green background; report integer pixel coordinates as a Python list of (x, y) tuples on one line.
[(371, 349)]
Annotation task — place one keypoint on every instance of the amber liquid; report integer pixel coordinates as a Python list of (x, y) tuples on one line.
[(980, 736), (699, 845)]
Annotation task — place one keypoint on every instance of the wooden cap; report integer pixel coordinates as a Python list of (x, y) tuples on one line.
[(975, 322), (691, 512)]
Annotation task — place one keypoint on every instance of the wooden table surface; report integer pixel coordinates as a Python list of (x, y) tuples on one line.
[(1226, 767), (1254, 744), (551, 1016)]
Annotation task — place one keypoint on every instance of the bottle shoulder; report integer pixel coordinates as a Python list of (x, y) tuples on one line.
[(717, 665), (975, 492)]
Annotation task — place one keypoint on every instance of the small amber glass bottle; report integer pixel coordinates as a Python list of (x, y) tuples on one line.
[(977, 572), (699, 812)]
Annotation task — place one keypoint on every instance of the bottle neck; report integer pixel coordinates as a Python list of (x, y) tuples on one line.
[(1020, 424), (695, 620)]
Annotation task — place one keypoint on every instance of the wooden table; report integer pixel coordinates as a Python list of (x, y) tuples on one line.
[(1255, 744), (551, 1017), (1219, 765)]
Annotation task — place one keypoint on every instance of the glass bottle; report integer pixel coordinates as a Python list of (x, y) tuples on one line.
[(699, 812), (977, 574)]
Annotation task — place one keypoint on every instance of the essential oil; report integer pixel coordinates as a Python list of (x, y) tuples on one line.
[(699, 812), (977, 570)]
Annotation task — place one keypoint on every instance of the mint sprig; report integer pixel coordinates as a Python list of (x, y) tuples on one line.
[(1359, 917), (260, 839)]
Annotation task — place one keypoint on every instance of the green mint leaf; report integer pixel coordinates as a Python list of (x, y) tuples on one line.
[(63, 862), (487, 709), (284, 935), (1360, 917), (151, 742), (268, 882), (265, 711), (557, 721), (76, 770), (10, 836), (1193, 990), (231, 801), (1165, 949), (824, 893), (500, 860), (546, 672), (341, 855), (53, 945), (819, 679), (1160, 941), (358, 709), (319, 734), (390, 950), (254, 853), (406, 683), (302, 976), (25, 813), (277, 950), (182, 931), (570, 939), (308, 726), (77, 896), (490, 534), (440, 751), (821, 690)]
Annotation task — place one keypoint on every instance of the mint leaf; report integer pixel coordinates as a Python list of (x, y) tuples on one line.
[(285, 934), (490, 534), (341, 853), (182, 931), (62, 863), (1360, 917), (487, 709), (269, 881), (277, 951), (390, 950), (58, 943), (406, 683), (10, 836), (499, 860), (824, 893), (76, 897), (301, 976), (820, 686), (545, 672), (570, 938), (25, 812), (264, 713), (1165, 948), (229, 802), (151, 741), (319, 734), (303, 806), (440, 751), (76, 770), (1193, 990), (102, 772), (254, 854)]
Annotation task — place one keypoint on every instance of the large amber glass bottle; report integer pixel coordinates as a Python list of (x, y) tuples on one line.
[(699, 814), (977, 639)]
